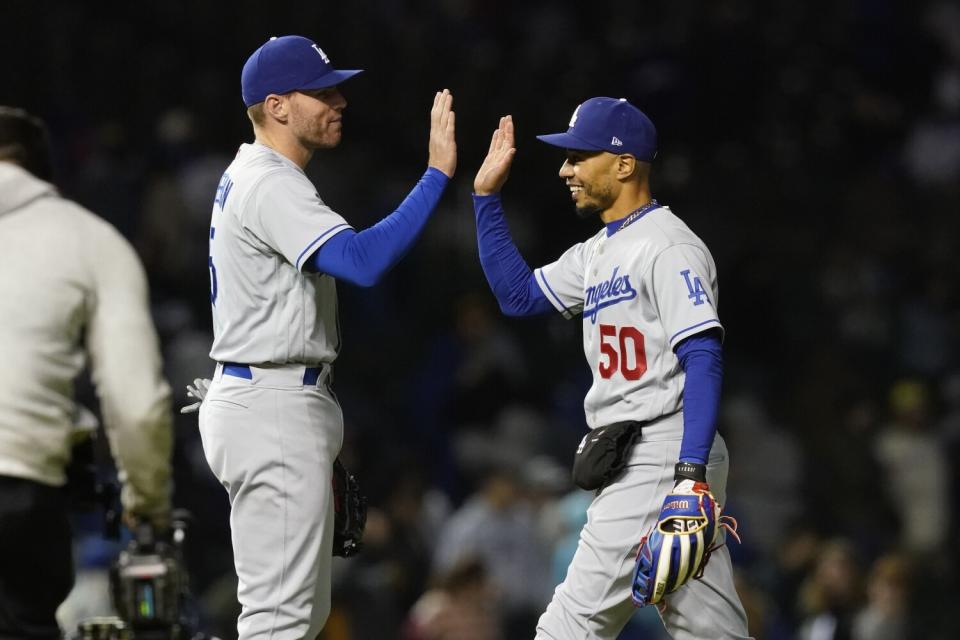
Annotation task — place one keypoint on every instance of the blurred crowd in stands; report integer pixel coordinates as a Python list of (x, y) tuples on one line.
[(815, 146)]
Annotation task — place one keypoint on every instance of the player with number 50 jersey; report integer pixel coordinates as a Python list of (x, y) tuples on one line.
[(642, 286), (645, 287)]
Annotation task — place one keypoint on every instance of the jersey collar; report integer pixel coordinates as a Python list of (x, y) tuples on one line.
[(630, 218)]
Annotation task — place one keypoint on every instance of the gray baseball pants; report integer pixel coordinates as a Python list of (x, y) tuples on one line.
[(271, 441), (593, 602)]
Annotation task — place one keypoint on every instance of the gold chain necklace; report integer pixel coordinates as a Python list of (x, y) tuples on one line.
[(635, 215)]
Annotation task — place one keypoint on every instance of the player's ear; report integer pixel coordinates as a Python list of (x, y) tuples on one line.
[(627, 167), (276, 107)]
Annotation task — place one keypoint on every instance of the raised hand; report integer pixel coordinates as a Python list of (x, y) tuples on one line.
[(443, 143), (495, 169)]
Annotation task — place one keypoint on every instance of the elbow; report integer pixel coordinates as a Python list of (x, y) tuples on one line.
[(510, 311), (512, 303), (367, 279), (361, 273)]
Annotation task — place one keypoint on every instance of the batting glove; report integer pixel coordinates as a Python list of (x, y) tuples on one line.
[(197, 391)]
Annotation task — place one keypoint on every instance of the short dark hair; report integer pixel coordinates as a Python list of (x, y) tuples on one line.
[(256, 114), (24, 140)]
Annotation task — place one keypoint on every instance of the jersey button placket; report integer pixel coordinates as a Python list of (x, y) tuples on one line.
[(599, 253)]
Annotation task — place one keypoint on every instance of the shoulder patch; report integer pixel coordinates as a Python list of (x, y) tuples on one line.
[(695, 289)]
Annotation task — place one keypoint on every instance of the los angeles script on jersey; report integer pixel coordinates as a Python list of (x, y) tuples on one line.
[(609, 292)]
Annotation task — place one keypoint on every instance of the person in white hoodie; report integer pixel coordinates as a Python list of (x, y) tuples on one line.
[(71, 288)]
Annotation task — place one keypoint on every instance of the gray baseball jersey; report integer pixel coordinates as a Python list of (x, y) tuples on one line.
[(267, 221), (641, 291), (270, 425)]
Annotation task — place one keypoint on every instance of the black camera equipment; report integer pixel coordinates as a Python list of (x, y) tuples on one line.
[(150, 589), (148, 583)]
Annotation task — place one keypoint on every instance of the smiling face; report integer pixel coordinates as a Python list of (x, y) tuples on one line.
[(591, 178), (316, 117)]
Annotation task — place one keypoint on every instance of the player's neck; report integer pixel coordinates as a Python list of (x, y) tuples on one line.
[(288, 148), (630, 199)]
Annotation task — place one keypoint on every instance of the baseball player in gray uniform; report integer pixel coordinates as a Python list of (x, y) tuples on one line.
[(645, 287), (270, 425)]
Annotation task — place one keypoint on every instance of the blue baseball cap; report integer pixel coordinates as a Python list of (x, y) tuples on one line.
[(285, 64), (608, 124)]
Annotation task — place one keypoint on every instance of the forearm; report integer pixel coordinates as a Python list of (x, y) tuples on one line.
[(134, 399), (363, 258), (701, 358), (142, 450), (508, 274)]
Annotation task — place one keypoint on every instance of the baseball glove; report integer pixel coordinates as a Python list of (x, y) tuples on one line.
[(680, 544), (350, 512)]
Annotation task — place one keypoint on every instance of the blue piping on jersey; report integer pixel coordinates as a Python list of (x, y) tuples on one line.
[(552, 293), (699, 324), (339, 227)]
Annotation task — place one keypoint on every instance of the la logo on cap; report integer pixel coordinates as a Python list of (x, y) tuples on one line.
[(285, 64), (608, 124)]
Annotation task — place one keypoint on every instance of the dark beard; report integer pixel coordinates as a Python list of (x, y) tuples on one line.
[(588, 211), (602, 198)]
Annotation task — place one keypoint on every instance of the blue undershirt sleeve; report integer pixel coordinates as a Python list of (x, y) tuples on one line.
[(363, 258), (510, 278), (701, 358)]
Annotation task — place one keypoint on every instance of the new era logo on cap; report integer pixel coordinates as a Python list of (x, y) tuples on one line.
[(285, 64), (608, 124)]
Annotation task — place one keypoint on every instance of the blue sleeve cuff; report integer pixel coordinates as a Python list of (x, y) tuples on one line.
[(435, 174)]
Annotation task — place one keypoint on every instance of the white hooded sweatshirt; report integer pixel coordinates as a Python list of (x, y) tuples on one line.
[(71, 286)]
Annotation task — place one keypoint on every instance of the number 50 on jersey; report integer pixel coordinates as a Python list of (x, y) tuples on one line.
[(621, 350)]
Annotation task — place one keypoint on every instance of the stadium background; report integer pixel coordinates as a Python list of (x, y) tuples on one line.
[(814, 146)]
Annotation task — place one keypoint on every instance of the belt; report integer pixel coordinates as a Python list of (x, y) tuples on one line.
[(237, 370)]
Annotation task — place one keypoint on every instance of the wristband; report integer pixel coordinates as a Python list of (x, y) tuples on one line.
[(690, 471)]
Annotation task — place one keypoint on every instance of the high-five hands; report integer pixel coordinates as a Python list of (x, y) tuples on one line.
[(443, 143), (495, 169)]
